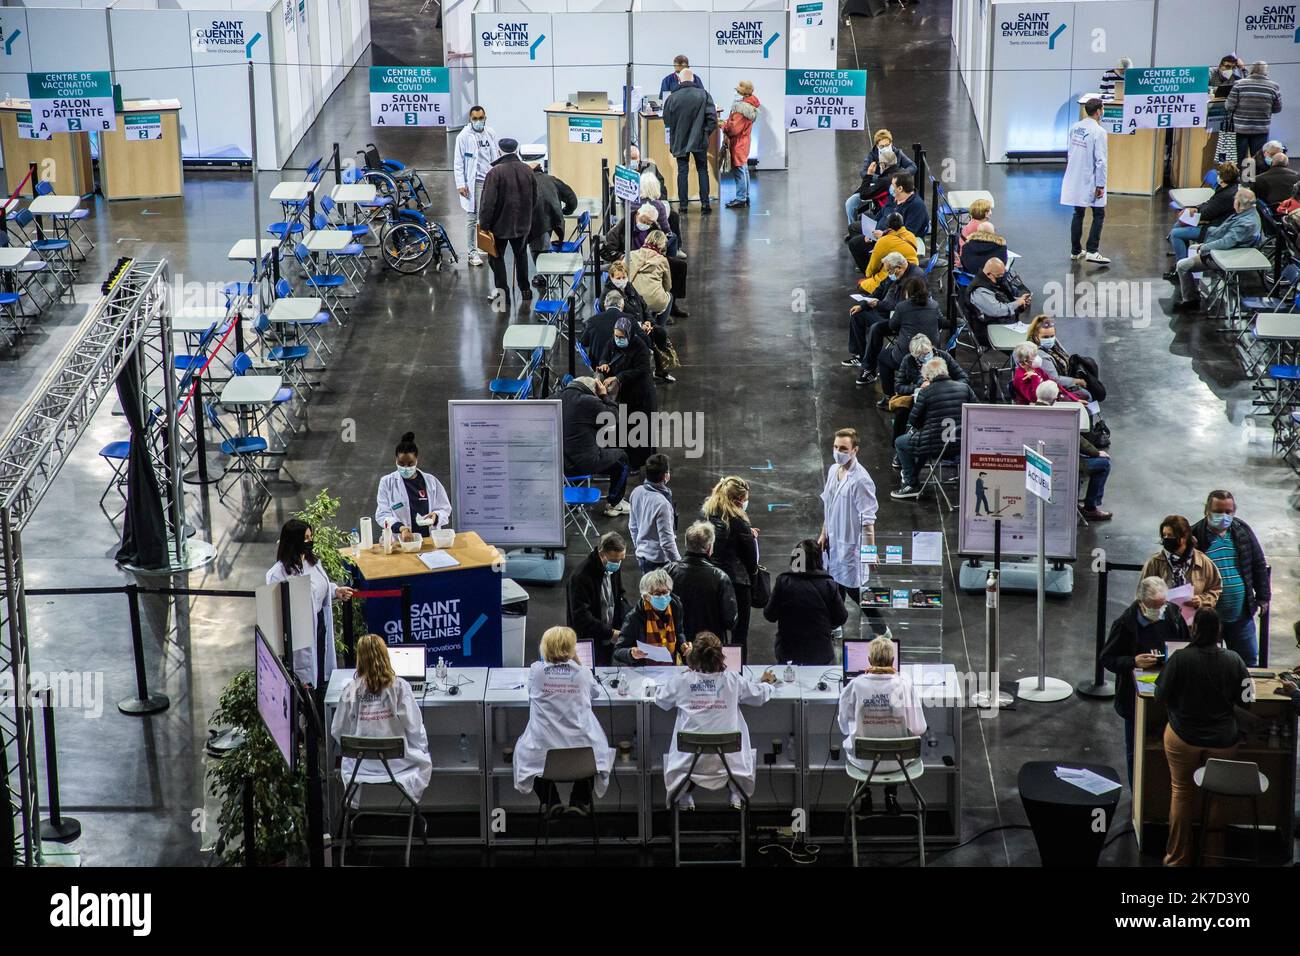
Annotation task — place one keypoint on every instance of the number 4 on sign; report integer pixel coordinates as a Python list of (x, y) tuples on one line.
[(823, 122)]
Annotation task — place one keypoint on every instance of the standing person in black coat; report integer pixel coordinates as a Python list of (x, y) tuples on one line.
[(1139, 638), (934, 425), (509, 196), (735, 545), (628, 360), (691, 117), (583, 409), (708, 600), (555, 200), (595, 598), (806, 608)]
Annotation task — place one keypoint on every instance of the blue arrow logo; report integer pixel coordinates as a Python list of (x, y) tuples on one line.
[(768, 467), (768, 45), (248, 47), (532, 50), (1051, 41), (772, 508), (466, 646), (9, 44)]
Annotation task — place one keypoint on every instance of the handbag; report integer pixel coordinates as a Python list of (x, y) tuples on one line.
[(760, 588), (667, 357), (900, 401), (486, 241)]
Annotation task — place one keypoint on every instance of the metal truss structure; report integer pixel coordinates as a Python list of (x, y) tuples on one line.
[(130, 323)]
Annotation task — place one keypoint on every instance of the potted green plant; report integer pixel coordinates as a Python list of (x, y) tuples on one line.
[(279, 796)]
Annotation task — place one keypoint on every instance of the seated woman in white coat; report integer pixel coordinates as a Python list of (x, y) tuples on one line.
[(708, 698), (560, 692), (880, 703), (295, 556), (378, 703), (408, 494)]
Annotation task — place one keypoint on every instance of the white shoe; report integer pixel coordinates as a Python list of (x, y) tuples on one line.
[(476, 260), (615, 511), (1097, 257), (1078, 255)]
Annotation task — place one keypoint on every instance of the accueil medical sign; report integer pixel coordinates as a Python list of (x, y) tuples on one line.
[(71, 102), (1170, 97)]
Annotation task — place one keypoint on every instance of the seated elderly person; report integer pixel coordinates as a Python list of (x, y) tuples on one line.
[(982, 245), (879, 307), (1264, 157), (873, 191), (1056, 361), (993, 299), (894, 237), (1094, 462), (1211, 212), (933, 427), (908, 380), (1029, 375), (915, 314), (1275, 183), (979, 216), (873, 165), (1241, 230)]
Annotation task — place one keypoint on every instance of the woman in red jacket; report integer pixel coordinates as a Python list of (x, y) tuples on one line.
[(737, 129), (1028, 376)]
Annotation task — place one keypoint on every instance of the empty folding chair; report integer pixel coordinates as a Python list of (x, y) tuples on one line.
[(31, 275), (382, 749), (348, 259), (288, 359), (68, 220), (310, 330), (282, 403), (243, 454), (579, 239), (56, 252), (324, 284), (116, 453), (579, 495)]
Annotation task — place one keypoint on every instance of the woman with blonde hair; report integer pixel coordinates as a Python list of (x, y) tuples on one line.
[(560, 692), (979, 212), (735, 544), (378, 703), (649, 274)]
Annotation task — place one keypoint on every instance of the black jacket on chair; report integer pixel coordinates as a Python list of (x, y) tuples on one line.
[(1128, 639), (706, 595), (583, 600), (509, 195), (806, 607), (934, 406), (555, 200)]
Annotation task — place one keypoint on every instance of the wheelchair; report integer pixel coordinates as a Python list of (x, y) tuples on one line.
[(408, 241), (393, 179)]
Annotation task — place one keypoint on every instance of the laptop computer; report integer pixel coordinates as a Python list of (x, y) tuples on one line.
[(587, 655), (409, 663), (856, 660), (591, 100), (734, 655)]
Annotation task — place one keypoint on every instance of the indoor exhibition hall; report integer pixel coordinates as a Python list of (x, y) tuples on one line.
[(765, 434)]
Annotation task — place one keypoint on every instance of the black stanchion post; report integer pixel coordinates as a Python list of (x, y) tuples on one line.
[(58, 828), (997, 544), (338, 166), (934, 209), (315, 805), (922, 166), (250, 827), (1097, 686), (573, 346), (595, 269), (604, 190), (143, 703), (33, 179), (200, 475)]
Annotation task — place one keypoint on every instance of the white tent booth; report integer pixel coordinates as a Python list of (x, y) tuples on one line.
[(528, 54), (195, 51), (1025, 65)]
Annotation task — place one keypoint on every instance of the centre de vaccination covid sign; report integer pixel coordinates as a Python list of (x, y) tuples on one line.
[(410, 96), (1169, 97), (825, 99), (71, 102)]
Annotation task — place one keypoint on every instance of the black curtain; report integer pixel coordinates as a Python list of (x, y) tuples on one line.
[(144, 530)]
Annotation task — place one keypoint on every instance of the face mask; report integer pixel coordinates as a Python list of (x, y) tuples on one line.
[(478, 125), (643, 226), (744, 505), (843, 457), (406, 471), (619, 283), (891, 190), (1047, 341), (1220, 520), (612, 566), (620, 343), (1226, 74), (1037, 362), (1268, 160), (1152, 614), (660, 602), (925, 358), (1169, 544), (309, 550)]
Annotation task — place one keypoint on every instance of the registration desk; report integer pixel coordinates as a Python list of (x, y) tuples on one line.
[(64, 158), (577, 140), (471, 732), (141, 159), (1270, 742), (1134, 161), (1192, 150), (654, 146)]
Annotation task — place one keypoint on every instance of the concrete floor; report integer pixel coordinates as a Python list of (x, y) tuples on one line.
[(766, 377)]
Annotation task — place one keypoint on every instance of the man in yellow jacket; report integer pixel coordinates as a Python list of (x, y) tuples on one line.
[(895, 237)]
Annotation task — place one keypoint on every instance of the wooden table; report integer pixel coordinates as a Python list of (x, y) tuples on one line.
[(576, 159), (132, 168), (1134, 160), (69, 153)]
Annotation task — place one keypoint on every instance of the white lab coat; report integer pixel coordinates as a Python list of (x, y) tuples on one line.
[(391, 502), (847, 506), (710, 704), (1085, 166), (560, 717), (393, 712), (465, 161), (322, 599), (879, 705)]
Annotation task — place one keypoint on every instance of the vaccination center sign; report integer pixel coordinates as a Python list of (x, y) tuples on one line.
[(1170, 97), (71, 102), (825, 99), (409, 96)]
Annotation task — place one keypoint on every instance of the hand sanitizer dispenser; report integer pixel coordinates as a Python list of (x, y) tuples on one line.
[(367, 534)]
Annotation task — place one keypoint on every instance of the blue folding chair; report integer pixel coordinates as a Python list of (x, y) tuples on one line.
[(289, 359), (553, 311), (580, 236), (579, 495), (69, 219), (520, 387), (116, 453), (311, 330), (242, 365), (328, 206), (348, 258), (243, 455), (325, 284), (57, 252)]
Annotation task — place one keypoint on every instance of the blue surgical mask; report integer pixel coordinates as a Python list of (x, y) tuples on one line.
[(925, 358), (1268, 160), (407, 471), (660, 602), (612, 566), (620, 343), (1047, 341), (1219, 521), (478, 125)]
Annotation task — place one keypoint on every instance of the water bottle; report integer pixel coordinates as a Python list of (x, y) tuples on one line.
[(440, 671), (789, 672), (354, 540), (463, 746)]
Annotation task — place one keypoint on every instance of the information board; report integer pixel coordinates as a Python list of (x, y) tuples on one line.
[(586, 129), (410, 96), (71, 102), (507, 461), (1169, 97), (142, 127), (26, 130), (993, 475), (627, 183), (826, 99)]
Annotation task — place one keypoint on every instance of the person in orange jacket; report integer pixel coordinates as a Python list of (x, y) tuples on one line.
[(740, 121)]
